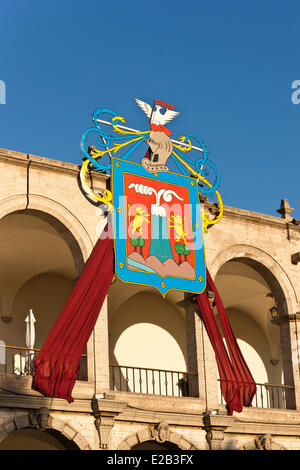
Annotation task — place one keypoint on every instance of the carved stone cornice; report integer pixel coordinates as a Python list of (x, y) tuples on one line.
[(105, 411), (262, 442), (39, 418), (104, 423), (108, 405), (217, 418), (215, 424), (215, 438)]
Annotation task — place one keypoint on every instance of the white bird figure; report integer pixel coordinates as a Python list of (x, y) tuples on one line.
[(157, 117)]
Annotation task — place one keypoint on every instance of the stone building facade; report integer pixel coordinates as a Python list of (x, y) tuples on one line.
[(148, 378)]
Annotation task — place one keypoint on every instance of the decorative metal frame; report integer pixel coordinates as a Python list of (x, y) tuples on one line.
[(112, 136)]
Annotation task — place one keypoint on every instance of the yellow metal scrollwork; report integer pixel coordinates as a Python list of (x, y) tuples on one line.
[(105, 198)]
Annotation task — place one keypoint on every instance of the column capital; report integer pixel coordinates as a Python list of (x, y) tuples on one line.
[(215, 424)]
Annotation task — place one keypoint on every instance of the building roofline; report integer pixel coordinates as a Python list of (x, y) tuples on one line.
[(48, 164)]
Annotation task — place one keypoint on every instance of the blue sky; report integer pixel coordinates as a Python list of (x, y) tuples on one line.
[(226, 66)]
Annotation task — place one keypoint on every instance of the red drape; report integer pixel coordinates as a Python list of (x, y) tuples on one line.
[(237, 385), (57, 364)]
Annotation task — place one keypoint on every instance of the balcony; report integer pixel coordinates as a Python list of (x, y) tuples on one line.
[(270, 396), (20, 361), (185, 384), (153, 381)]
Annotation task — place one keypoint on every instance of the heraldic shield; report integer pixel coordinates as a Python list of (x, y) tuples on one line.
[(157, 229)]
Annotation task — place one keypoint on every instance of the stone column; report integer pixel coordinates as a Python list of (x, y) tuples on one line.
[(192, 350), (105, 410), (201, 357), (100, 345)]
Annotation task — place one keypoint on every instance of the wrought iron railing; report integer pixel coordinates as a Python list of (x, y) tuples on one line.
[(20, 361), (270, 396), (153, 381)]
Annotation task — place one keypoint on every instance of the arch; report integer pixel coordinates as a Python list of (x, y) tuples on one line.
[(69, 432), (144, 436), (23, 421), (143, 296), (267, 267), (148, 312), (281, 287), (59, 217)]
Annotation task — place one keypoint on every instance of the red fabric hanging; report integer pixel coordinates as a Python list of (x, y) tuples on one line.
[(237, 385), (57, 364)]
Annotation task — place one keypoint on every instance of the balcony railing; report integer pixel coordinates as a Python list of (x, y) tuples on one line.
[(270, 396), (20, 361), (153, 381)]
